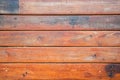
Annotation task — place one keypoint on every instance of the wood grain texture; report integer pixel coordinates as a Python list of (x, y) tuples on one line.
[(59, 71), (60, 54), (83, 44), (59, 38), (60, 7), (20, 22)]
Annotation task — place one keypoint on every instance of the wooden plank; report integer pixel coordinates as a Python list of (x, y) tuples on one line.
[(15, 22), (60, 54), (85, 71), (60, 7), (60, 38)]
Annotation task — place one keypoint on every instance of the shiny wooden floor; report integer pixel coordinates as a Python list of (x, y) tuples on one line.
[(59, 39)]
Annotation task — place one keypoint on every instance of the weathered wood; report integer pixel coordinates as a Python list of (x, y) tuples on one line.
[(14, 22), (59, 6), (9, 6), (59, 38), (60, 71), (32, 51), (60, 54)]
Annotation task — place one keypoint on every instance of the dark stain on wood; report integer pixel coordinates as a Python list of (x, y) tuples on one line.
[(75, 20), (112, 70), (71, 20), (116, 20), (1, 21), (11, 6)]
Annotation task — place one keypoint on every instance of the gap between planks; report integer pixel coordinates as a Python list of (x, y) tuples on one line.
[(59, 62), (59, 46), (60, 14)]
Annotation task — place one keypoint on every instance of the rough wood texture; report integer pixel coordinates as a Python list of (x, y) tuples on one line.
[(59, 38), (60, 71), (15, 22), (83, 44), (60, 54), (60, 7)]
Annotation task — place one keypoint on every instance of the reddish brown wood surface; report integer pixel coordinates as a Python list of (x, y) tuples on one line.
[(59, 71), (60, 6), (60, 54), (59, 38), (20, 22)]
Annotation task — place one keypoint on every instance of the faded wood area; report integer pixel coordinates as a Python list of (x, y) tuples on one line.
[(59, 39), (93, 22)]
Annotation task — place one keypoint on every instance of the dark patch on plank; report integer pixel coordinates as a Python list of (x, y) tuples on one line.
[(117, 20), (11, 6), (54, 21), (75, 20), (71, 20), (106, 22), (112, 70), (1, 21)]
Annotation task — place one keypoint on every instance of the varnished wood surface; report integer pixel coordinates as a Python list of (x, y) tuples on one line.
[(33, 22), (60, 54), (60, 7), (60, 38), (60, 71)]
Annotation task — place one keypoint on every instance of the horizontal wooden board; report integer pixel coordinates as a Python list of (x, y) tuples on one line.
[(60, 7), (60, 54), (59, 71), (60, 38), (15, 22)]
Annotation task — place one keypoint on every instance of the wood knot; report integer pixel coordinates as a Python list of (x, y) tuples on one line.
[(25, 74)]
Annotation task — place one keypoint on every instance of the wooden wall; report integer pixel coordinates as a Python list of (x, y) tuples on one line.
[(59, 39)]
